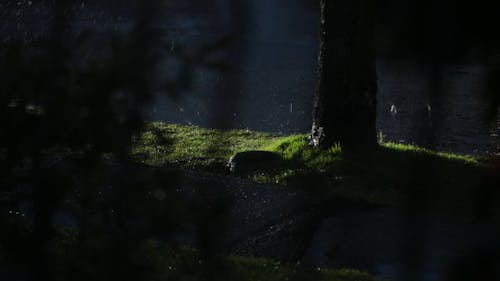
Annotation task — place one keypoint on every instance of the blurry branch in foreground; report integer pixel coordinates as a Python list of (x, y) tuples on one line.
[(73, 202)]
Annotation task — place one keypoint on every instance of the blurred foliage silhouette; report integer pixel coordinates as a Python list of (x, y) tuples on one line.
[(74, 205)]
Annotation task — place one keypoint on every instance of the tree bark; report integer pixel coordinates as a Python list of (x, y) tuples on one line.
[(345, 100)]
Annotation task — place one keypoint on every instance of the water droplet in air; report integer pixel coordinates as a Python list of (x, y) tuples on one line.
[(393, 110)]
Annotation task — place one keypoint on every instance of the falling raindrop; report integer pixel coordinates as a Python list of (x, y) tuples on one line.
[(393, 110)]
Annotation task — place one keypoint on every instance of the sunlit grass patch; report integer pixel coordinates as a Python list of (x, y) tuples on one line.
[(296, 148), (423, 151), (209, 149), (395, 174), (388, 174), (195, 147)]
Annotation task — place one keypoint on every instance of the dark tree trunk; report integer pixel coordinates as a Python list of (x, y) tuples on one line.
[(345, 100)]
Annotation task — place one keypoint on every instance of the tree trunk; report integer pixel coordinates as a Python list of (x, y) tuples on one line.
[(345, 101)]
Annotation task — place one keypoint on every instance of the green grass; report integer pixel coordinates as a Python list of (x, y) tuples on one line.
[(107, 258), (96, 258), (186, 264), (466, 159), (195, 147), (394, 174)]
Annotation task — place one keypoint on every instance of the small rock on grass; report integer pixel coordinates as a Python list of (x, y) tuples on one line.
[(251, 161)]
